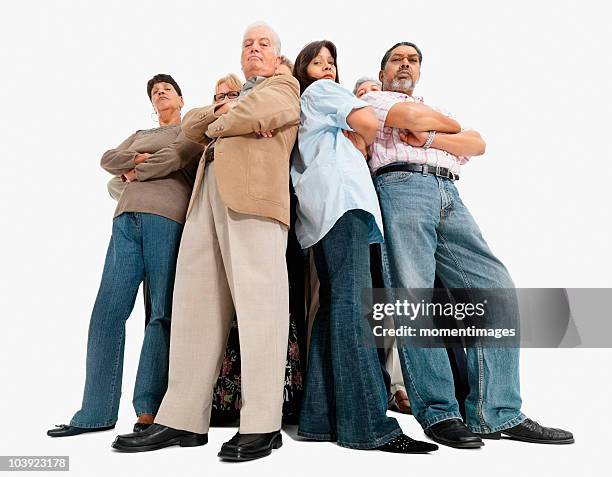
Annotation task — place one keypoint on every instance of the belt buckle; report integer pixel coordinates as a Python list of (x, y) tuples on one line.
[(439, 172)]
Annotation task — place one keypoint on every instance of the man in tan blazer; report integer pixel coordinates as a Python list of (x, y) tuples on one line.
[(232, 257)]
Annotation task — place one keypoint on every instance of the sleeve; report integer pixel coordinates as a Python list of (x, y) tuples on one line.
[(382, 103), (330, 103), (116, 187), (271, 106), (196, 122), (121, 159), (178, 155)]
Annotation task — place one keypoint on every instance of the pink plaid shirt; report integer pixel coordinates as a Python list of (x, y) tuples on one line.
[(389, 148)]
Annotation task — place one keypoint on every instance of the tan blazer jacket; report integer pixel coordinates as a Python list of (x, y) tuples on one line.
[(252, 171)]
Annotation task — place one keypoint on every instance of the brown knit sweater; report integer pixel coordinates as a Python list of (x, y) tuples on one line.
[(165, 179)]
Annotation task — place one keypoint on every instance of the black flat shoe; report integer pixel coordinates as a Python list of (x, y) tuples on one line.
[(403, 444), (141, 426), (531, 431), (454, 433), (156, 437), (244, 447), (65, 430)]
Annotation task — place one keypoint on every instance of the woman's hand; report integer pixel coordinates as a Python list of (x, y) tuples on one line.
[(129, 176), (140, 158), (224, 107), (269, 133), (358, 142)]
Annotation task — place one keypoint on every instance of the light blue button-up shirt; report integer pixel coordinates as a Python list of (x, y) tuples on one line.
[(329, 174)]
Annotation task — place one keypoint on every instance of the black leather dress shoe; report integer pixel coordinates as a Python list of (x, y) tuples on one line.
[(64, 430), (158, 437), (140, 426), (531, 431), (243, 447), (454, 433)]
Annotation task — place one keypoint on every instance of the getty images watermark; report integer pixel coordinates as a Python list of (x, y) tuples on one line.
[(411, 311), (498, 317)]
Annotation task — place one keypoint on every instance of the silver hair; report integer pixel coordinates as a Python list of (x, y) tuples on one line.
[(365, 79), (275, 37)]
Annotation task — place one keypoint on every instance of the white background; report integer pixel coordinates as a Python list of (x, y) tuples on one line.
[(531, 76)]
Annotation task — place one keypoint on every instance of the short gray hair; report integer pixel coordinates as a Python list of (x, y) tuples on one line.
[(365, 79), (275, 37)]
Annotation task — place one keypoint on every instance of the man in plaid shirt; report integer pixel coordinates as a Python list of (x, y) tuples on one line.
[(416, 159)]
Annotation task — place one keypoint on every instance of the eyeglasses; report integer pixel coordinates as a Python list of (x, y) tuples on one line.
[(229, 95)]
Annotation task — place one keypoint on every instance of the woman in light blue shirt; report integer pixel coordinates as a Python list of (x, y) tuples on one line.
[(338, 215)]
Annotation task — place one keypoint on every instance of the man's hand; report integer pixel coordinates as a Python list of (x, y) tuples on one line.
[(269, 133), (129, 176), (140, 158), (358, 142), (225, 107), (414, 139)]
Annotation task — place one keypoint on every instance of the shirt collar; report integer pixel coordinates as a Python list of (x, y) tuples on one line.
[(251, 83), (415, 98)]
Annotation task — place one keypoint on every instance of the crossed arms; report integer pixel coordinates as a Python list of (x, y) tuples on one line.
[(267, 108), (418, 119), (125, 161)]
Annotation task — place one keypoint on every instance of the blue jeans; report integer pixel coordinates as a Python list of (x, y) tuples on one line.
[(141, 244), (345, 397), (429, 230)]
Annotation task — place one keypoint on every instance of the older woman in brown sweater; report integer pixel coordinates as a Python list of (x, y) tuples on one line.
[(158, 166)]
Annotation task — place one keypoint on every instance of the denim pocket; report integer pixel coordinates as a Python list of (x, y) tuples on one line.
[(393, 178)]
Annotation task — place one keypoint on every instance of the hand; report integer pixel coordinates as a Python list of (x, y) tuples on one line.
[(357, 141), (414, 139), (140, 158), (269, 133), (129, 176), (225, 107)]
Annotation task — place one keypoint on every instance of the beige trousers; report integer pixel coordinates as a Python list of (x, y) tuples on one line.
[(394, 369), (227, 261)]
